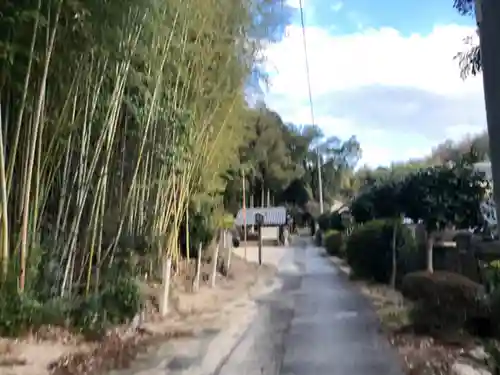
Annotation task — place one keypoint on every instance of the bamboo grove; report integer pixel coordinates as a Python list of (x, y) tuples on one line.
[(115, 117)]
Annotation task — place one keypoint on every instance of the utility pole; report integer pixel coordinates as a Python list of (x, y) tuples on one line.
[(302, 21), (320, 183), (488, 22), (244, 199)]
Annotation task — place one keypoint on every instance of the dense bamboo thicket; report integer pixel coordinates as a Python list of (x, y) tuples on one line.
[(116, 116)]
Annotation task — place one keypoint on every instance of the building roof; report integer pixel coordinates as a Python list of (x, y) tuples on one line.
[(273, 216), (338, 206)]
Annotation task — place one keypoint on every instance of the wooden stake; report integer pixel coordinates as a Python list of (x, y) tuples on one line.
[(196, 284), (167, 269), (244, 213), (214, 264)]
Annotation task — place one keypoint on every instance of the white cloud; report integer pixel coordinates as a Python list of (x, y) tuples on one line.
[(381, 56), (374, 141), (336, 7), (376, 58), (458, 131)]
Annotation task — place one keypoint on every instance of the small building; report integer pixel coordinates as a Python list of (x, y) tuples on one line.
[(336, 206), (274, 219), (273, 216)]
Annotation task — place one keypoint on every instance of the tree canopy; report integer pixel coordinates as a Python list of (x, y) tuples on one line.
[(280, 163), (470, 59), (436, 196)]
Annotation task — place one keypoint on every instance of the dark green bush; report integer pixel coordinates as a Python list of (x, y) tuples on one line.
[(324, 221), (117, 302), (333, 242), (368, 249), (444, 301), (328, 221), (22, 312), (203, 224), (492, 276), (18, 313)]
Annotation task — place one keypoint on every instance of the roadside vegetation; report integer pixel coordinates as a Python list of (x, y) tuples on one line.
[(438, 294), (126, 138), (126, 144)]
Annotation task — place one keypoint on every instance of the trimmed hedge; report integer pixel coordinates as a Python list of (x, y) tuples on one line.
[(444, 301), (333, 242), (369, 253), (328, 221)]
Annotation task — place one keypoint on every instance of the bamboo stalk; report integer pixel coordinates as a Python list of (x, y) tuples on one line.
[(4, 202)]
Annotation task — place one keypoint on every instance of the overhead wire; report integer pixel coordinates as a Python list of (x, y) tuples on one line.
[(308, 74), (311, 105)]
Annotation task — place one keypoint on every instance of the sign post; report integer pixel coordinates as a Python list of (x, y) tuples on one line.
[(259, 221)]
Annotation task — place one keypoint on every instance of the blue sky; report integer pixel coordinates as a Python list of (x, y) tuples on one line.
[(407, 16), (381, 70)]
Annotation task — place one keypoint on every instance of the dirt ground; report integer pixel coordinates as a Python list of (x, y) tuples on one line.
[(52, 351)]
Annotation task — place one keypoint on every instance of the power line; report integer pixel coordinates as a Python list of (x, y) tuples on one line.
[(311, 106)]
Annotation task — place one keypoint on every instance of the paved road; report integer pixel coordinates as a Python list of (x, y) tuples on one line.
[(312, 323), (315, 324)]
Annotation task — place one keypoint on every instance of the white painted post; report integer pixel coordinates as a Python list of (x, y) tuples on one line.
[(167, 269), (196, 285)]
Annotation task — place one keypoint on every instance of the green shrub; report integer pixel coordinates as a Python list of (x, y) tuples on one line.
[(117, 302), (368, 249), (324, 221), (328, 221), (227, 221), (333, 242), (444, 301), (203, 225), (18, 314), (21, 313), (492, 275)]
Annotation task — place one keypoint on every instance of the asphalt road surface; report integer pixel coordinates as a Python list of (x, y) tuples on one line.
[(311, 322), (315, 324)]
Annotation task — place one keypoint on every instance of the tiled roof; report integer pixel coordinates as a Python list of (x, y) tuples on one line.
[(272, 216)]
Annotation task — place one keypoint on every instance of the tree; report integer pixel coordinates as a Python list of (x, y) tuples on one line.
[(382, 201), (282, 162), (443, 195), (470, 60), (296, 193), (266, 157), (450, 151), (337, 160), (437, 196)]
